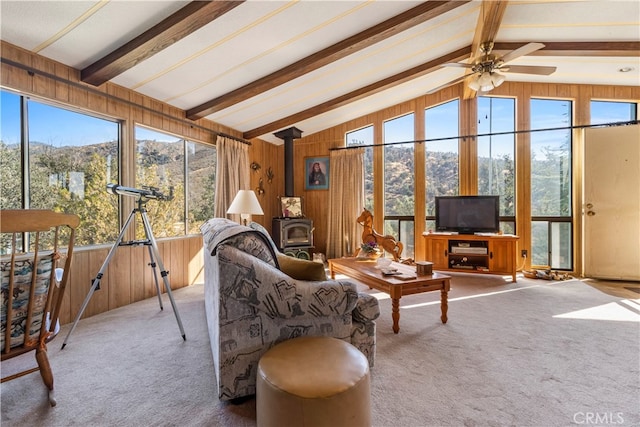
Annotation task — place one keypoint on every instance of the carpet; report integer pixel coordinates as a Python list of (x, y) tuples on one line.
[(533, 353)]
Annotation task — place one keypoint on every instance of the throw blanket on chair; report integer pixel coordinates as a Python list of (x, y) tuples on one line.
[(219, 230)]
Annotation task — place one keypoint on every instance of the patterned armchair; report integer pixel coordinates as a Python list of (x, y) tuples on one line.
[(251, 305)]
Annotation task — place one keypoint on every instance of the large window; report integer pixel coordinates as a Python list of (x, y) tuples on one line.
[(10, 170), (496, 154), (160, 163), (59, 159), (399, 181), (364, 137), (441, 155), (551, 214), (69, 159), (201, 185)]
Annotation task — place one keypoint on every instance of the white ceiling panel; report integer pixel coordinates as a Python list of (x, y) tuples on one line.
[(259, 39)]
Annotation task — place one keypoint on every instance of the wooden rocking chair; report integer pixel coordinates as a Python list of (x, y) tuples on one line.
[(30, 294)]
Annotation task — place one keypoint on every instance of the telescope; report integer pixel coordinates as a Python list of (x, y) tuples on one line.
[(144, 193)]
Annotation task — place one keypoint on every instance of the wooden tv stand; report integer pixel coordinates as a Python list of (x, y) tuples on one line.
[(472, 253)]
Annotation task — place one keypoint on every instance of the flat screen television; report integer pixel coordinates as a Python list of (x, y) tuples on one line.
[(468, 214)]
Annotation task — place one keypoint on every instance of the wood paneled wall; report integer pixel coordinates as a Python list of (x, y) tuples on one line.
[(319, 144)]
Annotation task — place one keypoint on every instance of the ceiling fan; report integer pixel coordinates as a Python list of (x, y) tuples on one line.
[(488, 68)]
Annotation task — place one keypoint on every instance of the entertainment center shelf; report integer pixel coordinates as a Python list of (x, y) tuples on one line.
[(472, 253)]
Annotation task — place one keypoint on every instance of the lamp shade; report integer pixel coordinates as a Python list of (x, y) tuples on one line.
[(246, 204)]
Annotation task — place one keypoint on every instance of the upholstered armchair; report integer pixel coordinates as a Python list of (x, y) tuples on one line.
[(251, 305)]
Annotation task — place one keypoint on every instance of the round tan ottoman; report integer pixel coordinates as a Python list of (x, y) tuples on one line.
[(313, 381)]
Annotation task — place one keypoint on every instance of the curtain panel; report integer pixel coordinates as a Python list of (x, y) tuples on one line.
[(346, 201), (232, 174)]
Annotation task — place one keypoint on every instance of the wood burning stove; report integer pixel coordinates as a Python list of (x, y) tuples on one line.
[(293, 236)]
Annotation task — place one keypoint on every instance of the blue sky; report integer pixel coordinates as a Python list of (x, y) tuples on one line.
[(60, 127)]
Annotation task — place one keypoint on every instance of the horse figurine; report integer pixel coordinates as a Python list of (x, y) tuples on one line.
[(388, 243)]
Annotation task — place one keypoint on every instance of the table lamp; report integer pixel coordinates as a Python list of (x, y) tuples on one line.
[(246, 204)]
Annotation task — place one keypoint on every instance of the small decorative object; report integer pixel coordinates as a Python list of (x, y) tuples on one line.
[(383, 263), (316, 173), (369, 250), (270, 175), (291, 207), (424, 268), (388, 243), (255, 166), (260, 189)]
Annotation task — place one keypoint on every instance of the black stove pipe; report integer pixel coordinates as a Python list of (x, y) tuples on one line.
[(288, 135)]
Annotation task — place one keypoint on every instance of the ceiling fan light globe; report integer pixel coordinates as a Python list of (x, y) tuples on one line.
[(474, 85), (484, 79), (497, 79)]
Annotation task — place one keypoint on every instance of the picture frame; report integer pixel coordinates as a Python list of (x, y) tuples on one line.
[(291, 207), (316, 173)]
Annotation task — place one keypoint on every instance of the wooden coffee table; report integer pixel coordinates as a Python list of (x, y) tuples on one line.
[(408, 283)]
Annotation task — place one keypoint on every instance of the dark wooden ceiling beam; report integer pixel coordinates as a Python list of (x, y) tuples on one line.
[(489, 21), (361, 93), (399, 23), (614, 48), (190, 18)]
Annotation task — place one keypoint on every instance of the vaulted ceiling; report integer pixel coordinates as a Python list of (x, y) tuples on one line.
[(262, 66)]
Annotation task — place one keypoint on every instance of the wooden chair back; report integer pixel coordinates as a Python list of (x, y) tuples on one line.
[(31, 296)]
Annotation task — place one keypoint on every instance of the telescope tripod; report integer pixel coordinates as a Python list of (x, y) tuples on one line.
[(154, 256)]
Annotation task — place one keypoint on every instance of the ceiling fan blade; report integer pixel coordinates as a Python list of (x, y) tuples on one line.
[(457, 64), (521, 51), (529, 69), (452, 82)]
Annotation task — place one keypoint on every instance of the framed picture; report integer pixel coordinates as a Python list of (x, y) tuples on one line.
[(291, 207), (316, 173)]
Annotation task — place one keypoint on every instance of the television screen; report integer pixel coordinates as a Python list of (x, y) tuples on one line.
[(468, 214)]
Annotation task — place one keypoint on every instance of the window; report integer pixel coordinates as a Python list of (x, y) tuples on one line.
[(399, 182), (160, 163), (10, 171), (611, 112), (496, 154), (551, 231), (359, 137), (70, 159), (201, 184), (441, 153)]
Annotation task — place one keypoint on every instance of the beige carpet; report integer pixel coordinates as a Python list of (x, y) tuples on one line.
[(535, 353)]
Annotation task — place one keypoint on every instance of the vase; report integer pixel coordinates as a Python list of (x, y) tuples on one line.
[(370, 255)]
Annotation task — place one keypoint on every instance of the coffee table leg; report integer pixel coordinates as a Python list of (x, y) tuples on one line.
[(395, 314), (444, 304)]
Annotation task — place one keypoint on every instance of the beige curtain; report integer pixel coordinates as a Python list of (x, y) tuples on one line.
[(232, 174), (346, 200)]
